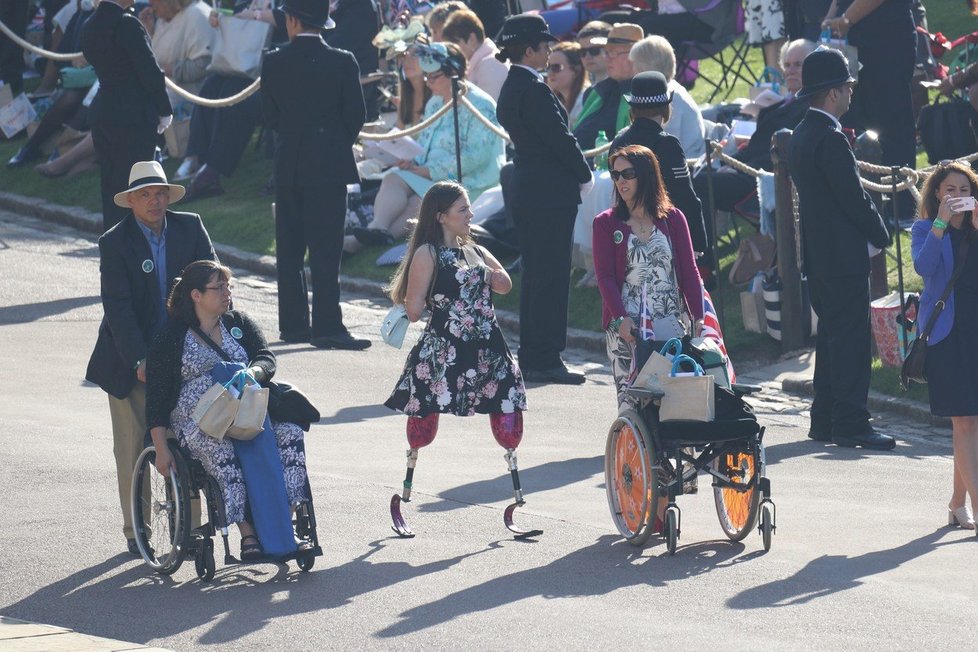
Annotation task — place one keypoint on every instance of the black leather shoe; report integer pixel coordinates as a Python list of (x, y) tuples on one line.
[(871, 441), (345, 342), (298, 337), (816, 433), (133, 548), (23, 156), (554, 375)]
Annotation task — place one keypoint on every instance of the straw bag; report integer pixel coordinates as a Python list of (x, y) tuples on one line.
[(688, 396)]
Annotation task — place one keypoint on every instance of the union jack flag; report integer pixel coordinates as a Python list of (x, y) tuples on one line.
[(711, 329)]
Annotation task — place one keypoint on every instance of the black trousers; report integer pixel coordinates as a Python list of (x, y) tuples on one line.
[(312, 219), (13, 13), (117, 148), (843, 354), (546, 236), (218, 137)]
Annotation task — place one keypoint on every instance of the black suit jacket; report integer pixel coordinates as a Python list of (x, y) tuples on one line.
[(311, 96), (549, 165), (837, 216), (132, 90), (783, 115), (130, 296), (675, 172)]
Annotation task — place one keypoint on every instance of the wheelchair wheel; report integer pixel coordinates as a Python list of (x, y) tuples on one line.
[(672, 529), (204, 560), (737, 508), (161, 511), (305, 562), (630, 480), (767, 524)]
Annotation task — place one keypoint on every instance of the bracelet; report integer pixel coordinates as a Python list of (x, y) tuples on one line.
[(939, 224), (616, 322), (845, 19)]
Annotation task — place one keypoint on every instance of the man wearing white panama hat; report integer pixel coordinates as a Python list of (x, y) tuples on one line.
[(140, 257)]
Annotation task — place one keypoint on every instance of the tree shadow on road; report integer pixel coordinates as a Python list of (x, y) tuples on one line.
[(26, 313), (543, 477)]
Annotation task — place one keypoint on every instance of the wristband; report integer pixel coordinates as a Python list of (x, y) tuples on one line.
[(616, 322), (939, 224)]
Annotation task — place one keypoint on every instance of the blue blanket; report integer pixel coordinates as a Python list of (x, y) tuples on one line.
[(262, 467)]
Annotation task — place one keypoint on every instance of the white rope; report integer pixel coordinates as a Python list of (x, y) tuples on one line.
[(499, 131), (421, 126)]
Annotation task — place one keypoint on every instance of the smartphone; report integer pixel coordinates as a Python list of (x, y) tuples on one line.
[(966, 203)]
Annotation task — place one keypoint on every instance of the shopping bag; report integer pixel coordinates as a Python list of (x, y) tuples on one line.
[(688, 396), (655, 365), (215, 411), (249, 420), (238, 47)]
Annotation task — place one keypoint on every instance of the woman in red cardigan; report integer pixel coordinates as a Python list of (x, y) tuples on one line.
[(643, 260)]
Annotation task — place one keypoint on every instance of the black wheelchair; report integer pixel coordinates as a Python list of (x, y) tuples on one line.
[(161, 517), (647, 461)]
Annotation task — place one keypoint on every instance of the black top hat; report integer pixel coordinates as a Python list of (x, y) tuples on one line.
[(823, 69), (524, 28), (311, 12), (649, 89)]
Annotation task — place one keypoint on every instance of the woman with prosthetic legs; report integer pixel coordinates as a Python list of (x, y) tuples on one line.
[(461, 365)]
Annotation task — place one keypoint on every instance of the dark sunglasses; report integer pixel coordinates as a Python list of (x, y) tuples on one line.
[(627, 174), (554, 68), (592, 51)]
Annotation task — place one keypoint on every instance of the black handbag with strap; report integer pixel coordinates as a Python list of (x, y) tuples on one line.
[(914, 365), (947, 129), (285, 402)]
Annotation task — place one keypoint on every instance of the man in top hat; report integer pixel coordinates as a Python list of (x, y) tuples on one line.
[(838, 223), (651, 102), (311, 96), (140, 258), (617, 44), (549, 173), (131, 108)]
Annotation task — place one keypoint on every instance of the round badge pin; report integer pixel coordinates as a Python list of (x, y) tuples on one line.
[(236, 333), (148, 266), (618, 237)]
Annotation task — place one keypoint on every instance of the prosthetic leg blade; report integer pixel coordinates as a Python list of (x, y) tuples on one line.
[(518, 533), (398, 525)]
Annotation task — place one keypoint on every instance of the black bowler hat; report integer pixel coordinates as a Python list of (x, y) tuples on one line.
[(823, 69), (524, 28), (649, 89), (310, 12)]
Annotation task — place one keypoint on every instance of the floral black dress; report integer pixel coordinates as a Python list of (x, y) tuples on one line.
[(461, 365)]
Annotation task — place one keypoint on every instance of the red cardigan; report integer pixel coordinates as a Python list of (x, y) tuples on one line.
[(610, 246)]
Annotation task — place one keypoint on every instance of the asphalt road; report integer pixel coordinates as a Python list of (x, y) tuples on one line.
[(861, 559)]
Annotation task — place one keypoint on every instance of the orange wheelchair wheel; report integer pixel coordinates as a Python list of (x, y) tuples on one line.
[(737, 509), (630, 480)]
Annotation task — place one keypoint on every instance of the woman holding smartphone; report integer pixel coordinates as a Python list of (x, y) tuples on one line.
[(942, 239)]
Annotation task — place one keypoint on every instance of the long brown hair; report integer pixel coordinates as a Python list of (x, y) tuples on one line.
[(651, 190), (573, 51), (195, 276), (428, 231), (929, 203)]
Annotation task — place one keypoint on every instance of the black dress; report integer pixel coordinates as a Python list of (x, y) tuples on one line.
[(461, 365), (952, 363)]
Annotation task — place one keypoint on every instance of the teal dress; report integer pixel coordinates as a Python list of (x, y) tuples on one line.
[(483, 151)]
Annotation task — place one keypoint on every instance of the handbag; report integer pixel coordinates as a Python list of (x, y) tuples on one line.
[(914, 365), (249, 420), (238, 47), (946, 129), (215, 411), (77, 78), (688, 396), (396, 322), (658, 365)]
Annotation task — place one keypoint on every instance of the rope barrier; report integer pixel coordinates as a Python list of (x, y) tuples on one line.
[(30, 47), (410, 131)]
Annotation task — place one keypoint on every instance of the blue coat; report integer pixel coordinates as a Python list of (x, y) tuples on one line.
[(934, 261)]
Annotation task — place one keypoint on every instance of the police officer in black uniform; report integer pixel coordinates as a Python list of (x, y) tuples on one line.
[(549, 173), (131, 108), (650, 102), (311, 96), (838, 219)]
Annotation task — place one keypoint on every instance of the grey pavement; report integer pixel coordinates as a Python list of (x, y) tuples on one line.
[(861, 558)]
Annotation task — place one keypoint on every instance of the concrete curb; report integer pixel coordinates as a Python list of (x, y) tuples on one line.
[(904, 406), (84, 220)]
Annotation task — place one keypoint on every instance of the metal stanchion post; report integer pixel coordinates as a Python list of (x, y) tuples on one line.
[(458, 144), (894, 171), (718, 298)]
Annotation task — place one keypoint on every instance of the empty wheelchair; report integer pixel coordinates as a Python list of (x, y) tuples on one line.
[(648, 461), (161, 516)]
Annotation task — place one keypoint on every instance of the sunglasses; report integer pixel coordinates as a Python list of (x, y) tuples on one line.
[(595, 51), (432, 76), (554, 68), (627, 174)]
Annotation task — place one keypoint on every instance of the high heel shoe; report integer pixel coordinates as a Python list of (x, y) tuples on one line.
[(961, 517)]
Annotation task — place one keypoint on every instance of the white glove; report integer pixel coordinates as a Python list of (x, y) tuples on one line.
[(165, 121), (587, 186)]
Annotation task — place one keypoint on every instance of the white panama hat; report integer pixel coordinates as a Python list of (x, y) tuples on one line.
[(148, 173)]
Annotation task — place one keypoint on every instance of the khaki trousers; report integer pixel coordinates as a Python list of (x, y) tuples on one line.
[(128, 433)]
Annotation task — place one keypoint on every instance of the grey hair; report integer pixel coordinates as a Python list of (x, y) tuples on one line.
[(798, 42), (654, 53)]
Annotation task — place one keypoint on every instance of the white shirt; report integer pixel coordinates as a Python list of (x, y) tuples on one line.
[(533, 70), (835, 120)]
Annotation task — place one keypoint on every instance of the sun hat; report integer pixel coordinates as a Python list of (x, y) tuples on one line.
[(148, 173)]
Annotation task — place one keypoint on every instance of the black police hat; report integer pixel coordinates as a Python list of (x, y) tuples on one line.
[(649, 89), (311, 12), (823, 69), (524, 28)]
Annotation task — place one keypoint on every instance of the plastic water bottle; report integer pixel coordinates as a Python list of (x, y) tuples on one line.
[(601, 160)]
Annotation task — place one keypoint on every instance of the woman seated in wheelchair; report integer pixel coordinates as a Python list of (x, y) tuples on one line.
[(179, 373)]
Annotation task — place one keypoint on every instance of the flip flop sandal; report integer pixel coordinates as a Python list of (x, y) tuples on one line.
[(251, 551)]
